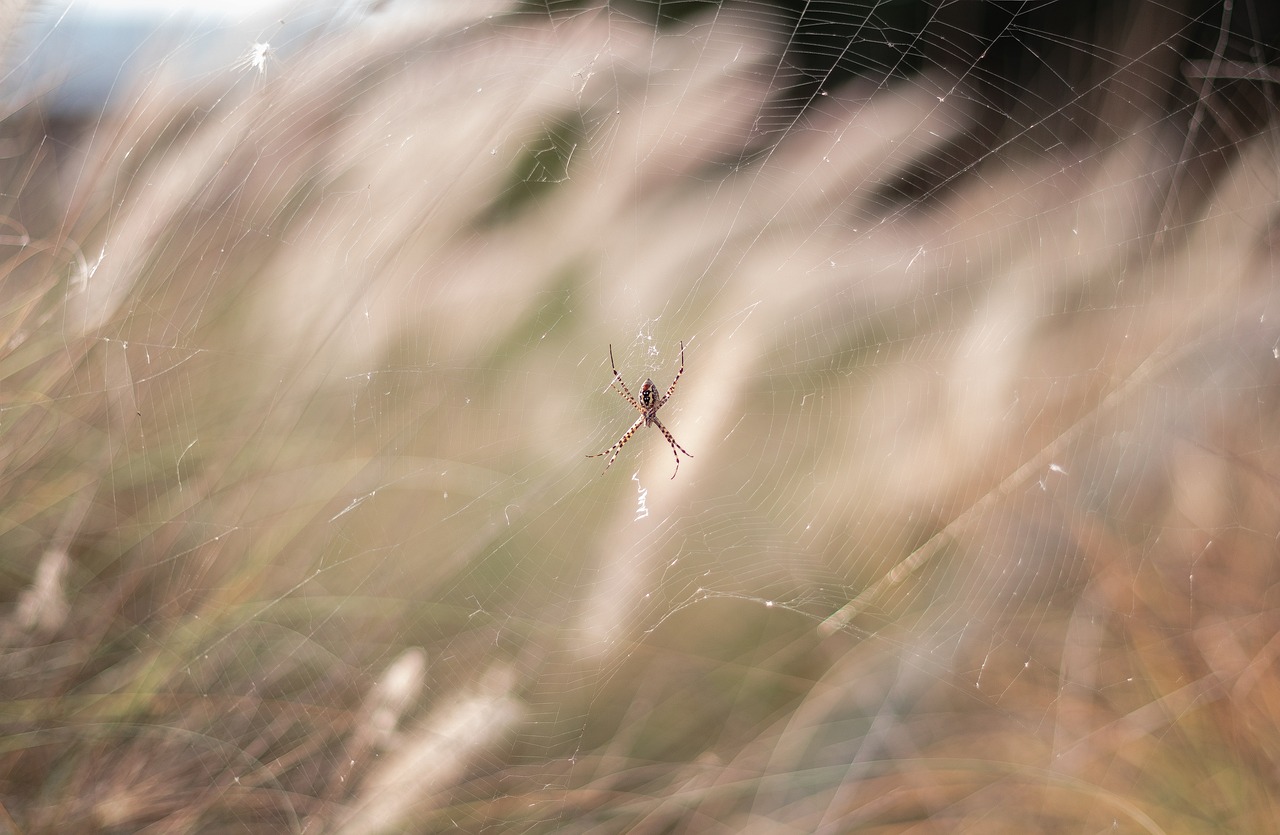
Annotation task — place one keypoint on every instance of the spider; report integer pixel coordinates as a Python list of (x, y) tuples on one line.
[(648, 406)]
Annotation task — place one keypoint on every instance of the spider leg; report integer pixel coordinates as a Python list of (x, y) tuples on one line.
[(617, 378), (626, 393), (672, 441), (672, 390), (616, 448)]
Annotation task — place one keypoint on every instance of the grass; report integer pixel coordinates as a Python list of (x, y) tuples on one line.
[(300, 536)]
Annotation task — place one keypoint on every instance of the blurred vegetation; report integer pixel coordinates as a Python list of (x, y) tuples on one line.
[(297, 382)]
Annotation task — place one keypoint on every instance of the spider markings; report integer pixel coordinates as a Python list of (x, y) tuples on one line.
[(648, 406)]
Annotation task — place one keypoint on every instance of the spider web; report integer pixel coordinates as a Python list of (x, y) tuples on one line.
[(306, 328)]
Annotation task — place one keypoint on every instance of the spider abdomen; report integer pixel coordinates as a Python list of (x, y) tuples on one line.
[(649, 397)]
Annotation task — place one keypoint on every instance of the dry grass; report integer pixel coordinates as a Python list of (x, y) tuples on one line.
[(299, 535)]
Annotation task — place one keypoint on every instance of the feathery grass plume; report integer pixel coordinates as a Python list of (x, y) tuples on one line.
[(43, 607), (395, 692), (982, 376), (430, 759)]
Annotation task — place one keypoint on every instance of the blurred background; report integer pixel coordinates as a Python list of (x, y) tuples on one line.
[(306, 319)]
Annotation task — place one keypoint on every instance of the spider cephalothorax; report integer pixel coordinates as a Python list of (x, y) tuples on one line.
[(648, 406)]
